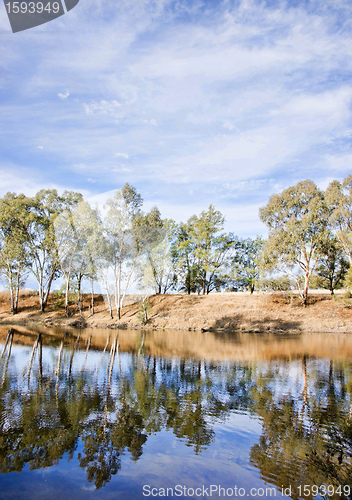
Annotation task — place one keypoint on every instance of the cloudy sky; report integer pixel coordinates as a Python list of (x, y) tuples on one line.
[(193, 102)]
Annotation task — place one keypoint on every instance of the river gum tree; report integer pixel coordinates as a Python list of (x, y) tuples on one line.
[(298, 226), (13, 252), (339, 198), (121, 242), (201, 252), (75, 230), (40, 238)]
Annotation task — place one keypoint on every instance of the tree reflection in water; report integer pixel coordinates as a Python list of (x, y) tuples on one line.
[(306, 438), (53, 409)]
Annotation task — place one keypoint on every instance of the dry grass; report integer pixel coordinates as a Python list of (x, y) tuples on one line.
[(226, 312)]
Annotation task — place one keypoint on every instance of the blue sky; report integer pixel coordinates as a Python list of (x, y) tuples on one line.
[(191, 102)]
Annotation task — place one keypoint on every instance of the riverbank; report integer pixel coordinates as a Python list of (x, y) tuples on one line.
[(279, 312)]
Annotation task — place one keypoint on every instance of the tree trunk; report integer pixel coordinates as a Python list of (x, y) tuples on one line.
[(79, 294), (127, 286), (305, 289), (92, 291), (41, 296), (41, 300), (12, 300), (17, 292), (331, 287), (15, 309), (108, 296), (67, 297), (110, 308), (46, 294), (119, 291)]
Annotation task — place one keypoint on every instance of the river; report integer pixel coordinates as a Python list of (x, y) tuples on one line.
[(135, 414)]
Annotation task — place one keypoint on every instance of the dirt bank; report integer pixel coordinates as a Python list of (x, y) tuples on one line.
[(226, 312)]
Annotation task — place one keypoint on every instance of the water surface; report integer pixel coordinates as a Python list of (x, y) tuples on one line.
[(99, 414)]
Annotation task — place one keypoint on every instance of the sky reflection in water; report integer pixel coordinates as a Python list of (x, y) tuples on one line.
[(102, 414)]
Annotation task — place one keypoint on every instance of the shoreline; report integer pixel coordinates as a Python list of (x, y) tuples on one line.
[(217, 312)]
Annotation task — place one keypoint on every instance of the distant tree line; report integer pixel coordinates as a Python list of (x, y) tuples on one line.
[(52, 236)]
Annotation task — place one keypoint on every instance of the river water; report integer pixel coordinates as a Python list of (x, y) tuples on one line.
[(137, 414)]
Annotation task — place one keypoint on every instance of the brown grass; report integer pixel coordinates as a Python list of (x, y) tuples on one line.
[(277, 312)]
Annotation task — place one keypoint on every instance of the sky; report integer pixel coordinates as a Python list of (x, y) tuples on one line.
[(192, 102)]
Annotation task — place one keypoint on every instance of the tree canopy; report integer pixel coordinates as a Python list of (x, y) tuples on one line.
[(55, 236), (297, 220)]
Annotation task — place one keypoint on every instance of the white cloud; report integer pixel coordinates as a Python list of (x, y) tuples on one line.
[(125, 156), (241, 219), (18, 179), (220, 97), (339, 163), (103, 107), (229, 126), (64, 95)]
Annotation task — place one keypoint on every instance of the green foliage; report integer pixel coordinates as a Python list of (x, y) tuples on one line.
[(348, 280), (298, 228), (201, 250), (157, 270), (14, 257), (332, 267), (339, 199), (142, 315), (59, 297), (124, 235), (132, 198), (52, 235), (246, 263), (42, 246), (76, 231), (275, 284)]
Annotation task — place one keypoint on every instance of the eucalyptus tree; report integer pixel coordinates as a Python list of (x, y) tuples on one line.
[(75, 230), (203, 231), (88, 233), (103, 252), (13, 252), (130, 236), (40, 238), (246, 262), (122, 244), (157, 269), (339, 198), (149, 233), (332, 267), (89, 255), (202, 251), (297, 220), (184, 260)]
